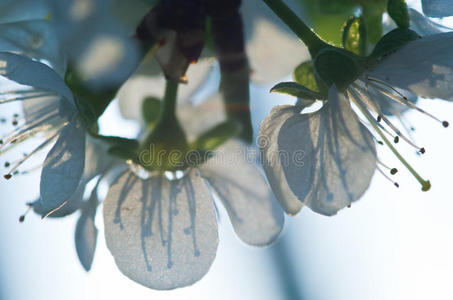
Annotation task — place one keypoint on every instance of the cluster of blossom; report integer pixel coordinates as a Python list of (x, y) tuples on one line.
[(67, 60)]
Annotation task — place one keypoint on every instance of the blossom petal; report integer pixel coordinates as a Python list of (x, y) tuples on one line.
[(87, 29), (272, 158), (273, 50), (424, 66), (421, 24), (337, 155), (85, 240), (162, 234), (35, 39), (152, 84), (86, 232), (32, 73), (63, 167), (21, 10), (437, 8), (235, 178)]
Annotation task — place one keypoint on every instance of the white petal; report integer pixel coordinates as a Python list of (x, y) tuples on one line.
[(274, 51), (424, 66), (96, 43), (162, 234), (198, 118), (437, 8), (22, 10), (337, 155), (97, 160), (149, 82), (85, 240), (35, 39), (235, 178), (32, 73), (63, 167), (421, 24), (86, 232), (272, 158)]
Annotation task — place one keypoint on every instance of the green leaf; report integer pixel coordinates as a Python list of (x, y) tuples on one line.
[(151, 110), (216, 136), (397, 9), (392, 41), (354, 37), (305, 75), (297, 90)]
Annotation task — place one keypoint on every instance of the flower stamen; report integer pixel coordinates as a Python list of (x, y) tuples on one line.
[(426, 185)]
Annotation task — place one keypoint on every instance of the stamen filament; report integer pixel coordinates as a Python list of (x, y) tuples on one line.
[(37, 149), (404, 101), (426, 185)]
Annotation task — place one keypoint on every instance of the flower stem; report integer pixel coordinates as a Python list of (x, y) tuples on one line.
[(169, 105), (310, 39)]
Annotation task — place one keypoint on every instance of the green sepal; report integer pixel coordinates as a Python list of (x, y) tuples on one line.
[(216, 136), (165, 147), (297, 90), (150, 111), (123, 153), (354, 36), (391, 42), (397, 9), (117, 141), (304, 74), (338, 66)]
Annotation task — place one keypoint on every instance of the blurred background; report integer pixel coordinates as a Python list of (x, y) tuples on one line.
[(392, 244)]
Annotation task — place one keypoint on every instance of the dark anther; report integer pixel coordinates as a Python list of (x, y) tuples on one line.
[(7, 164), (422, 150), (393, 171), (349, 206), (7, 176), (15, 122), (445, 124), (396, 139), (22, 218), (397, 185), (379, 118), (380, 143)]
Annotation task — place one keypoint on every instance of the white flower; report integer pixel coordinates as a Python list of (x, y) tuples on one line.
[(329, 155), (51, 113), (162, 229)]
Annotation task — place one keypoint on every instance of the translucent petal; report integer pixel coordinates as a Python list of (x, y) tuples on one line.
[(96, 43), (97, 161), (273, 49), (333, 155), (85, 240), (235, 177), (437, 8), (63, 167), (421, 24), (21, 10), (35, 39), (149, 82), (197, 118), (162, 234), (32, 73), (273, 159), (424, 66)]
